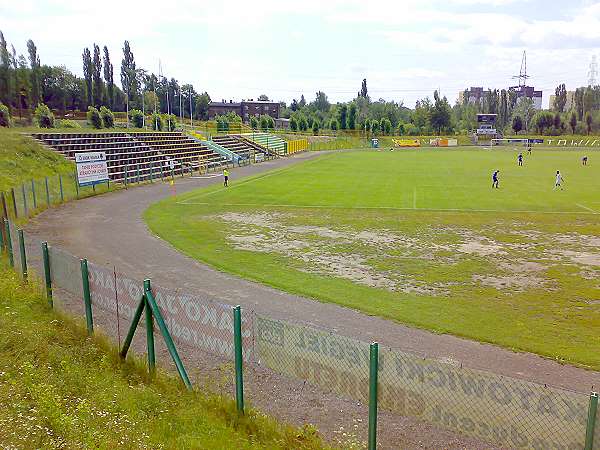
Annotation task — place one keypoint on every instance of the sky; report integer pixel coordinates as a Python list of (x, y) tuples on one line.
[(405, 49)]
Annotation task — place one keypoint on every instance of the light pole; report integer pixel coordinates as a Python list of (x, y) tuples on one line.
[(191, 120)]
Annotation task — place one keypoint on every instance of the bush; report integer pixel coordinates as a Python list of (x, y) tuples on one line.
[(293, 124), (108, 118), (66, 123), (136, 117), (254, 123), (157, 122), (334, 124), (43, 116), (4, 116), (170, 121), (94, 118), (315, 127), (266, 122)]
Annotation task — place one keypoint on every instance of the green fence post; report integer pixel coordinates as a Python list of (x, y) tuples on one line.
[(138, 173), (11, 258), (4, 208), (237, 342), (24, 199), (76, 183), (151, 170), (373, 369), (46, 258), (173, 173), (162, 174), (23, 254), (2, 246), (591, 422), (134, 323), (149, 332), (14, 202), (151, 302), (33, 194), (47, 192), (87, 298), (60, 185)]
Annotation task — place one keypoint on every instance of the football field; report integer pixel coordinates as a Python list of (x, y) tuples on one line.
[(419, 237)]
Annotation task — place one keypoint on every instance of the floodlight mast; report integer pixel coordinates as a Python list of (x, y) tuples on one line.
[(522, 77)]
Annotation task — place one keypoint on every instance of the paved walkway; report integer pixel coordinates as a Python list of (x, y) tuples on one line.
[(109, 229)]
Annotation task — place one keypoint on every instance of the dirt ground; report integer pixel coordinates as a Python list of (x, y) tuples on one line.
[(109, 230)]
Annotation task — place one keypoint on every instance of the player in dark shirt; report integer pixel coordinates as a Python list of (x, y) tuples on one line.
[(495, 179), (520, 159)]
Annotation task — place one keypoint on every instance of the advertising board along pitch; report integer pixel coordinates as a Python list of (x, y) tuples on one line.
[(91, 168)]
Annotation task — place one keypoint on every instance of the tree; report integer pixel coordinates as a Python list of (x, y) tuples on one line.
[(136, 117), (303, 123), (108, 78), (558, 123), (157, 122), (543, 120), (34, 61), (202, 104), (579, 93), (517, 124), (263, 98), (440, 113), (315, 127), (386, 125), (343, 116), (88, 70), (333, 124), (43, 116), (294, 105), (364, 93), (129, 80), (321, 103), (589, 122), (375, 126), (254, 123), (560, 98), (302, 102), (4, 116), (573, 122), (108, 118), (293, 124), (170, 122), (97, 78), (352, 116), (525, 110), (94, 118), (5, 72)]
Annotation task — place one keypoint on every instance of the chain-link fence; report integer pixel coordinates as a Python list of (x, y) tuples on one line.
[(497, 409)]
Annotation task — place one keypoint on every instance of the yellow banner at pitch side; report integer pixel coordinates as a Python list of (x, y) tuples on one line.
[(406, 142), (297, 145), (508, 411)]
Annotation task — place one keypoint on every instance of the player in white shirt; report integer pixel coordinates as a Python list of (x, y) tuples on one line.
[(559, 180)]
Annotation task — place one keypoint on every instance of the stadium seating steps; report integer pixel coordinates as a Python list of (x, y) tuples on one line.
[(268, 141), (149, 154)]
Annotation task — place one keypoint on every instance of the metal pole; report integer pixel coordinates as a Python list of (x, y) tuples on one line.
[(237, 341), (24, 199), (134, 323), (149, 332), (62, 195), (591, 422), (373, 369), (191, 120), (23, 254), (138, 173), (76, 183), (11, 259), (46, 258), (87, 298), (2, 246), (167, 337), (33, 194), (4, 208), (47, 192), (126, 176), (14, 202)]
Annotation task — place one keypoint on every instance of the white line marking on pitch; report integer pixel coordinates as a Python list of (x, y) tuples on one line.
[(585, 207), (390, 208)]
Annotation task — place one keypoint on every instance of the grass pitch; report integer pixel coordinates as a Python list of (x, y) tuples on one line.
[(419, 237)]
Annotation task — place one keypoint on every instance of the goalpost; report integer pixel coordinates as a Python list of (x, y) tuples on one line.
[(511, 142)]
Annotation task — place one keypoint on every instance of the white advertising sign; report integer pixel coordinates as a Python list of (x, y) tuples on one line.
[(91, 168), (259, 157)]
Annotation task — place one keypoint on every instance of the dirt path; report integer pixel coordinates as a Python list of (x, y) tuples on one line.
[(109, 230)]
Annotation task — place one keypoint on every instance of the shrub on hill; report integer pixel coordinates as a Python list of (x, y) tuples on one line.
[(170, 121), (66, 123), (4, 116), (108, 118), (94, 118), (136, 117), (43, 116), (157, 122)]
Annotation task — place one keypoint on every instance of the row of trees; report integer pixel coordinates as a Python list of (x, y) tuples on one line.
[(25, 83)]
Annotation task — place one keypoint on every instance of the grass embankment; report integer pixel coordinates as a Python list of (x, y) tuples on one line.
[(21, 159), (417, 236), (62, 389)]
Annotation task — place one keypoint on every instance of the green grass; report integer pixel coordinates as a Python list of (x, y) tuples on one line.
[(61, 389), (417, 236)]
